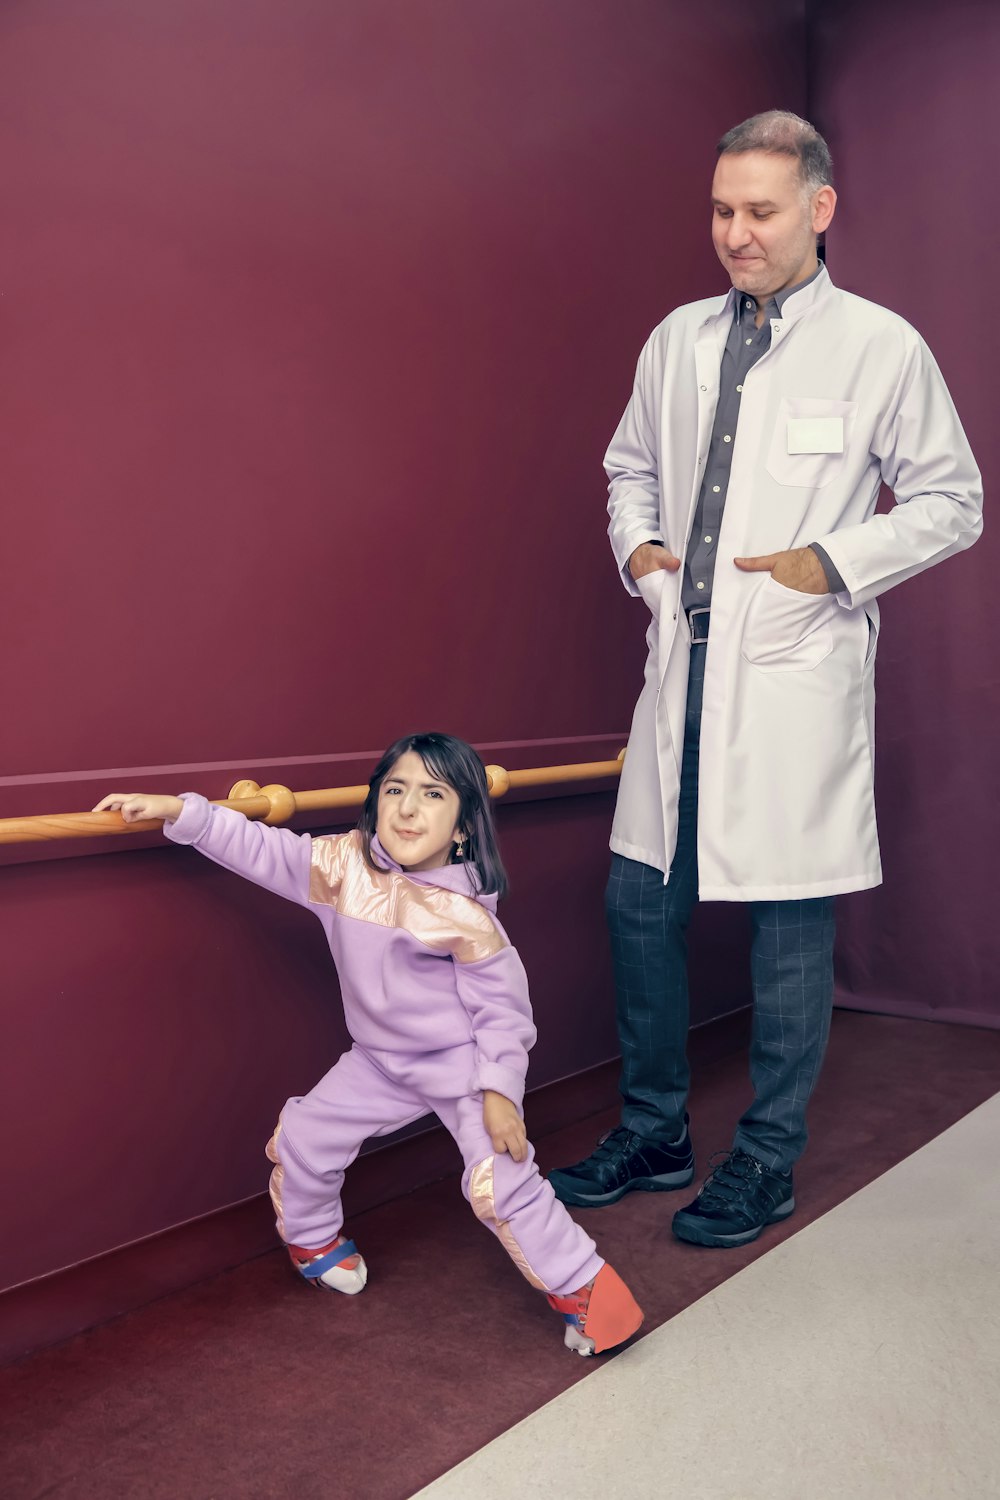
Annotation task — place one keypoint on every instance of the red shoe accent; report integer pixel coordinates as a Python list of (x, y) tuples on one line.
[(606, 1312), (573, 1304), (613, 1315), (301, 1257)]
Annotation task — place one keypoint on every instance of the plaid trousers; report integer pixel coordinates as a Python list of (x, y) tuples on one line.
[(791, 971)]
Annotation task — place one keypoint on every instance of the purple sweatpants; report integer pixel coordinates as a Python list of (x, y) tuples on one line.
[(369, 1094)]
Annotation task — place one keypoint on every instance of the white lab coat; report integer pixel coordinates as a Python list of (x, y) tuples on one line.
[(786, 804)]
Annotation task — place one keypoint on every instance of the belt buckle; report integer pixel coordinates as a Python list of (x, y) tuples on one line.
[(698, 640)]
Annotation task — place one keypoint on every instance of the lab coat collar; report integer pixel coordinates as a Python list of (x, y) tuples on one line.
[(793, 304), (801, 299)]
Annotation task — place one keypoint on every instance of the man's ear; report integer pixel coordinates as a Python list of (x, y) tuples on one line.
[(823, 205)]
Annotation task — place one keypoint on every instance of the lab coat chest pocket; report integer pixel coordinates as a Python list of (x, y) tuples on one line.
[(810, 441)]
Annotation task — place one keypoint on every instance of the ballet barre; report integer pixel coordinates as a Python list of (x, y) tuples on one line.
[(277, 804)]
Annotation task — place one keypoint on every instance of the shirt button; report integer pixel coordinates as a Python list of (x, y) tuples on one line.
[(749, 303), (715, 489), (739, 387), (727, 438), (708, 539), (749, 341), (701, 585), (704, 387)]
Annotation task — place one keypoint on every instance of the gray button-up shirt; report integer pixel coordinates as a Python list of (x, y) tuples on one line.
[(744, 347)]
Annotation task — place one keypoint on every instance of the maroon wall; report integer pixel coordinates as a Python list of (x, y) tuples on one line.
[(316, 320), (905, 92)]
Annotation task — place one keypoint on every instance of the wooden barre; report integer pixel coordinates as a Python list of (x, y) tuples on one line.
[(277, 804)]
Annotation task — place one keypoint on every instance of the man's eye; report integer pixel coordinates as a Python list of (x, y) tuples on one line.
[(762, 216), (723, 213)]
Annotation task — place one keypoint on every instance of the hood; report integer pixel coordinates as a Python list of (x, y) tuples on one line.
[(462, 877)]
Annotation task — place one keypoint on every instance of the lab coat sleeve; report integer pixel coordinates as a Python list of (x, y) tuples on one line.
[(494, 993), (926, 461), (632, 466)]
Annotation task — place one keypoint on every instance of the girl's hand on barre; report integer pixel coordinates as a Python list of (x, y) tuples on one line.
[(137, 807), (504, 1125)]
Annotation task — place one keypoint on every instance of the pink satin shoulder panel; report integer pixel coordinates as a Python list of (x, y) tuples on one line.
[(444, 921)]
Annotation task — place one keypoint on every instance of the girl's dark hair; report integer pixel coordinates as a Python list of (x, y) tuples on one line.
[(453, 761)]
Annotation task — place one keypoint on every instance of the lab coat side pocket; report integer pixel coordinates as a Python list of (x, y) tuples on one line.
[(787, 631), (650, 586), (871, 611)]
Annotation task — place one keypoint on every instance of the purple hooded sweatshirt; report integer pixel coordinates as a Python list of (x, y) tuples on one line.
[(424, 964)]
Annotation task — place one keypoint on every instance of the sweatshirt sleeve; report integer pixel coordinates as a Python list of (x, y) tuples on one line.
[(495, 995), (275, 858)]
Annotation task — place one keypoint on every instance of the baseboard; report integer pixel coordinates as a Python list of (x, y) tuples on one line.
[(910, 1010), (54, 1308)]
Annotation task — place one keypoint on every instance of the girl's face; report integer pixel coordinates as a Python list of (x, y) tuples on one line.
[(417, 821)]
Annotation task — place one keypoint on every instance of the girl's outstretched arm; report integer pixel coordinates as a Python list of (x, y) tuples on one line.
[(275, 858), (136, 807)]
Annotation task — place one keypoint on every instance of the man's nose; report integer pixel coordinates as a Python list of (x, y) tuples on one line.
[(738, 233)]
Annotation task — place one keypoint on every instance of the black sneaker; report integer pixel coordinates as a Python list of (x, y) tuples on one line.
[(624, 1162), (736, 1202)]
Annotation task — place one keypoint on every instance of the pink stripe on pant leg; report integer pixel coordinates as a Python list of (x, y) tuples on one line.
[(275, 1180), (545, 1243), (307, 1202)]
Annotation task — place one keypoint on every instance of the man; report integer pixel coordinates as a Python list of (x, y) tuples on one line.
[(743, 481)]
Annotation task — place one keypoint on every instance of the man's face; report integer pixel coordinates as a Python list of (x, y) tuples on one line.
[(764, 225)]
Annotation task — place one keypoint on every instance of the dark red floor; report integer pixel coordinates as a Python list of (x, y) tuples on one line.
[(252, 1387)]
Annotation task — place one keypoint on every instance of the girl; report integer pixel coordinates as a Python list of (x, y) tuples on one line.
[(436, 1003)]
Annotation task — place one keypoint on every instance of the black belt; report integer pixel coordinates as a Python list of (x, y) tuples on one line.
[(698, 624)]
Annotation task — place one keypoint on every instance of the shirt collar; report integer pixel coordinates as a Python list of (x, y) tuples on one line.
[(775, 305)]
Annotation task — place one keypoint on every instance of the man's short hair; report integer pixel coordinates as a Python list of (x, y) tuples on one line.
[(784, 134)]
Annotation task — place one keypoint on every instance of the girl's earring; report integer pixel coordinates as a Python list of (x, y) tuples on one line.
[(459, 848)]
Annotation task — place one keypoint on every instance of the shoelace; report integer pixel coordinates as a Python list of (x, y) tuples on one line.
[(736, 1173), (615, 1145)]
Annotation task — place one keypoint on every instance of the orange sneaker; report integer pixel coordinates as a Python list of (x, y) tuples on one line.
[(336, 1267), (599, 1316)]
